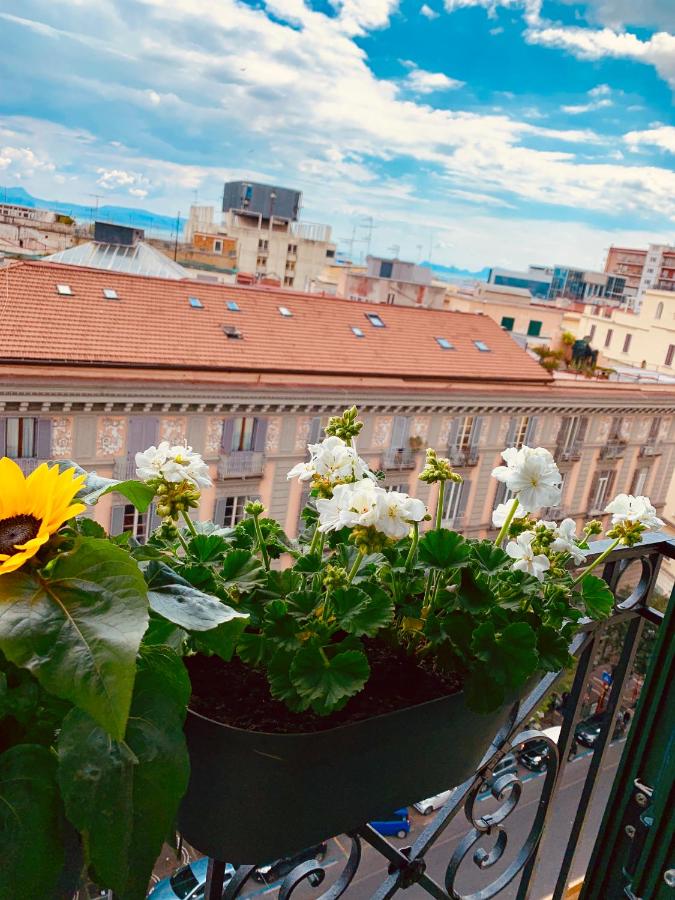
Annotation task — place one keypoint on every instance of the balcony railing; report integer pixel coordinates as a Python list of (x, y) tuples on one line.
[(29, 464), (459, 456), (553, 513), (397, 459), (405, 867), (572, 451), (124, 467), (652, 448), (241, 464), (613, 450)]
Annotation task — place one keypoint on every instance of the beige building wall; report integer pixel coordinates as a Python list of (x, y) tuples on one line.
[(639, 339), (358, 285)]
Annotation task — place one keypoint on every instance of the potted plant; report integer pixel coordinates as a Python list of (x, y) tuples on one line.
[(338, 676)]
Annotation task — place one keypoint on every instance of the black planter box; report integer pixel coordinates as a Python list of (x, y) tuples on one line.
[(255, 796)]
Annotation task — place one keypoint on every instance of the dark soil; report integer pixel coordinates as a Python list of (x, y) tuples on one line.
[(236, 695)]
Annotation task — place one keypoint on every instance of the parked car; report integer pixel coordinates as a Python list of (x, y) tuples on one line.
[(426, 807), (535, 754), (398, 823), (186, 883), (508, 765), (588, 731), (281, 867)]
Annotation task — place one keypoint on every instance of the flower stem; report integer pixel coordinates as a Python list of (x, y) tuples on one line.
[(355, 568), (507, 522), (413, 545), (603, 556), (190, 524), (439, 507), (261, 543), (315, 539), (182, 541)]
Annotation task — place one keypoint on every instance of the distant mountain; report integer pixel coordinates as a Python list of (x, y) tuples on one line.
[(451, 273), (120, 215)]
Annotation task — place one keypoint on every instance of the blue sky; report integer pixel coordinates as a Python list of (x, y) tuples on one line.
[(480, 132)]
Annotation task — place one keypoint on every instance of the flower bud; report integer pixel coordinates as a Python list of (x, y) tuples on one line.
[(254, 508)]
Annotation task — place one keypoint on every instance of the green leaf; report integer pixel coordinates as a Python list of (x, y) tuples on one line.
[(482, 692), (510, 654), (125, 794), (443, 549), (137, 493), (208, 547), (459, 626), (308, 564), (597, 597), (93, 484), (302, 603), (221, 640), (253, 649), (241, 569), (361, 613), (552, 648), (78, 631), (178, 601), (279, 627), (328, 683), (162, 632), (474, 593), (489, 558), (281, 686), (30, 824), (90, 528)]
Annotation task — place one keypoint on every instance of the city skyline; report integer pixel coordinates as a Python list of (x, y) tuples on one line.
[(482, 132)]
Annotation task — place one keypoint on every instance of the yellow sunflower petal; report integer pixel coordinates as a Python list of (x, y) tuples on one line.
[(14, 562), (12, 489)]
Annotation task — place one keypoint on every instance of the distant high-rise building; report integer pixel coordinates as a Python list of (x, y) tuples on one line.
[(264, 200), (643, 269)]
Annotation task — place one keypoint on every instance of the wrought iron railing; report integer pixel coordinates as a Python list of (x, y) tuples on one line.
[(651, 448), (241, 463), (398, 459), (572, 451), (408, 866), (463, 456), (613, 450), (124, 467), (28, 464)]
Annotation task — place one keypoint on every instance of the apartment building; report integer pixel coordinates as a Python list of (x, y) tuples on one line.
[(98, 365), (392, 281), (29, 232), (643, 270)]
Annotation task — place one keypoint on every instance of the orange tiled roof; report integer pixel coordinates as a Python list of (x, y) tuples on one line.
[(152, 324)]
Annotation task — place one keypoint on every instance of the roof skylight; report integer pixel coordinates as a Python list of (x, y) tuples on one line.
[(110, 294), (375, 320), (285, 311), (357, 331), (196, 303), (233, 306), (445, 344), (64, 289), (232, 332), (482, 346)]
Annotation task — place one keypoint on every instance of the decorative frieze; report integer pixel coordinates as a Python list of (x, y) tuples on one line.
[(382, 431), (173, 429), (302, 427), (214, 434), (420, 427), (62, 438), (444, 432), (273, 435), (111, 435)]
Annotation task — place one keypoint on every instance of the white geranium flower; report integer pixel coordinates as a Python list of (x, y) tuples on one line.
[(566, 541), (532, 475), (501, 511), (355, 503), (626, 507), (174, 464), (332, 459), (149, 462), (396, 512), (525, 558)]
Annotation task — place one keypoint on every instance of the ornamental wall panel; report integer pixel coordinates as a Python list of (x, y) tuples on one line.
[(643, 429), (214, 433), (173, 429), (382, 431), (273, 438), (302, 426), (111, 436), (420, 427), (444, 432), (62, 438)]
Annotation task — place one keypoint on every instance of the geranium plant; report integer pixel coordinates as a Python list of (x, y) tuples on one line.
[(94, 629)]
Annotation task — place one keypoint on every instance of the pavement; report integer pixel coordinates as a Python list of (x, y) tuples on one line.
[(373, 868)]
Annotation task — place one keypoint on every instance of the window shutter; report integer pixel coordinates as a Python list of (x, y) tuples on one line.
[(476, 430), (3, 432), (117, 520), (511, 433), (581, 430), (465, 489), (452, 434), (226, 436), (593, 491), (531, 431), (610, 486), (260, 435), (500, 493), (219, 511), (314, 434), (563, 432), (43, 439), (399, 433), (143, 433), (150, 431)]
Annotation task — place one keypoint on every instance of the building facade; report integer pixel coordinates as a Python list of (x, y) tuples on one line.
[(29, 232), (126, 372), (643, 270), (536, 280), (391, 281), (585, 286)]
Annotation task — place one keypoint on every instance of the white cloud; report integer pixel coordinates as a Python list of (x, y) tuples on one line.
[(587, 43), (138, 192), (599, 99), (423, 82), (531, 8), (23, 162), (662, 137), (428, 12)]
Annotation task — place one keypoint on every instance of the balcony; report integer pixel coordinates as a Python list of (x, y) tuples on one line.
[(651, 448), (571, 452), (124, 467), (29, 464), (396, 460), (613, 450), (482, 842), (553, 513), (459, 456), (241, 464)]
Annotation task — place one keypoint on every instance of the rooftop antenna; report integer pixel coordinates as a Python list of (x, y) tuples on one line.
[(368, 225), (97, 197), (175, 243), (395, 249)]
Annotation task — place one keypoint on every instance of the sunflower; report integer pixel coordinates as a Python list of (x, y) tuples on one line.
[(32, 509)]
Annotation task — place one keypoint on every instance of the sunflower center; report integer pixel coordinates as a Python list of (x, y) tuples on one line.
[(17, 530)]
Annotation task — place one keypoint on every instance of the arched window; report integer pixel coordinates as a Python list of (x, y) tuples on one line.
[(659, 311)]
